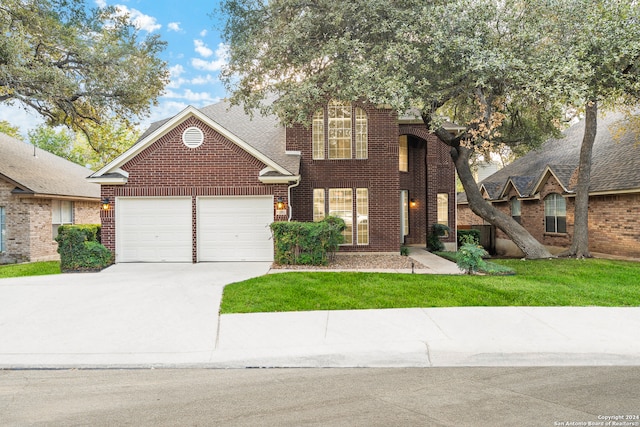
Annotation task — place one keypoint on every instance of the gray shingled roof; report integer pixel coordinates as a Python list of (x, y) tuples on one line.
[(264, 133), (615, 165), (43, 173)]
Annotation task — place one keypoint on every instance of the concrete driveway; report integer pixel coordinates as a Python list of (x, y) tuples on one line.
[(128, 314)]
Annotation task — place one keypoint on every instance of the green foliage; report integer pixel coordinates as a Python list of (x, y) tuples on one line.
[(555, 282), (468, 236), (404, 250), (470, 258), (433, 239), (30, 269), (8, 129), (80, 249), (103, 143), (309, 243), (76, 65)]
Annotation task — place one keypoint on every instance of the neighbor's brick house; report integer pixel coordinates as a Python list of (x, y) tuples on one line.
[(546, 178), (38, 192), (205, 184)]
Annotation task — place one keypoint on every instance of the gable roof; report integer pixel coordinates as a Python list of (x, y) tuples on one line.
[(261, 136), (43, 173), (615, 162)]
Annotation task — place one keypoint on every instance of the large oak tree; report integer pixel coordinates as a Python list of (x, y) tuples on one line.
[(77, 66), (487, 64)]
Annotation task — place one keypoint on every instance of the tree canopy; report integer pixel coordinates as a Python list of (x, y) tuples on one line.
[(77, 66), (482, 63)]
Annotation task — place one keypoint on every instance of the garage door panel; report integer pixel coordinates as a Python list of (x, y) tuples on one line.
[(235, 229), (155, 229)]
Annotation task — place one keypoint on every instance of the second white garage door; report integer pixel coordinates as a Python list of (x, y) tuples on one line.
[(235, 228)]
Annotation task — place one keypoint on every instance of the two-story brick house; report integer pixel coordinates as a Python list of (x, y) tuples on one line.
[(205, 184)]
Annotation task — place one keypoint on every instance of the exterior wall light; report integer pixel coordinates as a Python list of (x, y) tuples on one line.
[(280, 204), (105, 204), (413, 203)]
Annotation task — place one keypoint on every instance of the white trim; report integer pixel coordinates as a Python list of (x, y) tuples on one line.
[(108, 181), (542, 178), (188, 112), (279, 179)]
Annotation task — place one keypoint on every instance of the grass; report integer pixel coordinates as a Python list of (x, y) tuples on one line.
[(30, 269), (555, 282)]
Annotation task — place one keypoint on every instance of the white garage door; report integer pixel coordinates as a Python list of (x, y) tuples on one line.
[(235, 228), (153, 229)]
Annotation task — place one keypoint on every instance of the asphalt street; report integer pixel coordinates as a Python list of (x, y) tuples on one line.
[(534, 396)]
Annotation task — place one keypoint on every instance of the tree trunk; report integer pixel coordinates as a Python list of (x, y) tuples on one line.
[(531, 248), (580, 241)]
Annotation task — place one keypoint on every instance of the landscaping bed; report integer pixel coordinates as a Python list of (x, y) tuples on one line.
[(343, 261)]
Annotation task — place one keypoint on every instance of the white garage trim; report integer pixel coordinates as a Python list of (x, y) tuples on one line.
[(154, 229), (234, 228)]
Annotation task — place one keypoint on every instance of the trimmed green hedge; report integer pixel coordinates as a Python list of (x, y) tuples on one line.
[(80, 248), (462, 236), (308, 243)]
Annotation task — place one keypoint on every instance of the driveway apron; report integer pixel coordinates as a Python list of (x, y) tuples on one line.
[(126, 315)]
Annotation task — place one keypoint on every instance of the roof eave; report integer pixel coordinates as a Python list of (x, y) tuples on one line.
[(284, 179)]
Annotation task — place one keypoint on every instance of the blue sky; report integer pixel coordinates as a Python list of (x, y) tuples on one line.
[(194, 54)]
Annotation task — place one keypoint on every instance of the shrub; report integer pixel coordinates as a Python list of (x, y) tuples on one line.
[(468, 236), (470, 258), (433, 240), (309, 243), (80, 249)]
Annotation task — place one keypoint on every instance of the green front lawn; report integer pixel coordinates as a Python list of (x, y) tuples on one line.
[(30, 269), (556, 282)]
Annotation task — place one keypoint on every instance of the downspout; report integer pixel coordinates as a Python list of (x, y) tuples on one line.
[(289, 196)]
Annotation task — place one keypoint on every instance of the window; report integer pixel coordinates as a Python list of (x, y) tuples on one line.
[(347, 132), (515, 209), (404, 205), (443, 209), (362, 134), (61, 213), (318, 204), (317, 131), (555, 214), (3, 230), (362, 215), (341, 204), (404, 154)]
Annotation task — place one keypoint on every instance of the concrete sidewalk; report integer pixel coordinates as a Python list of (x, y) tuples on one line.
[(165, 315), (471, 336)]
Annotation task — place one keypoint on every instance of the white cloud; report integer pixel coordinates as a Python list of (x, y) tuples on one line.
[(203, 80), (203, 33), (101, 3), (202, 49), (174, 26), (220, 60), (138, 19), (191, 96), (175, 81)]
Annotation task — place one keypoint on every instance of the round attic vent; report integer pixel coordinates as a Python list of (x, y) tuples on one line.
[(192, 137)]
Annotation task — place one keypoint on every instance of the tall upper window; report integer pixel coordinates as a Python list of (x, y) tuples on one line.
[(318, 135), (403, 154), (3, 230), (347, 132), (515, 209), (555, 214), (61, 213)]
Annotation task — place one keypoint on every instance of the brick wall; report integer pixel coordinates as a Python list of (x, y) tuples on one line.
[(218, 167), (29, 235), (614, 221), (17, 228), (379, 173)]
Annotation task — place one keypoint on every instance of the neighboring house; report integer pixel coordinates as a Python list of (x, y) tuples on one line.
[(205, 184), (39, 192), (538, 190)]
